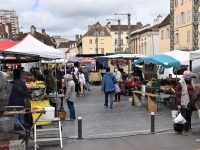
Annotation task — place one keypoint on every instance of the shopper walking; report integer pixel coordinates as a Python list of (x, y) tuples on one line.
[(85, 72), (70, 96), (184, 95), (81, 78), (118, 77), (108, 86)]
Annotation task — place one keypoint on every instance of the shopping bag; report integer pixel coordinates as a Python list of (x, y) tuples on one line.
[(179, 119), (117, 88)]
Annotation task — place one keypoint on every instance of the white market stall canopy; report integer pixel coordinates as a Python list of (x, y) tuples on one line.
[(195, 55), (57, 61), (120, 56), (31, 46), (167, 60)]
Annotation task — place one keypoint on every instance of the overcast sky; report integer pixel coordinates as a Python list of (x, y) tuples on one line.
[(70, 17)]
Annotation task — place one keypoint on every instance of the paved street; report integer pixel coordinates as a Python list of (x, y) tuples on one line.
[(124, 127)]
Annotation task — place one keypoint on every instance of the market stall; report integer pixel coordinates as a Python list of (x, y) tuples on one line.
[(167, 60), (130, 81), (30, 50)]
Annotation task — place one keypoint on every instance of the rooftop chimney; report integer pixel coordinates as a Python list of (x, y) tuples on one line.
[(159, 18), (33, 30), (77, 38), (43, 32), (155, 22), (109, 24)]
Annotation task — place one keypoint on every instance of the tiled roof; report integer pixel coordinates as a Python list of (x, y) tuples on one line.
[(99, 28), (122, 27), (165, 22), (65, 44), (155, 27), (46, 39)]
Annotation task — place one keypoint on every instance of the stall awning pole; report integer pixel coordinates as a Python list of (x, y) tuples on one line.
[(65, 66)]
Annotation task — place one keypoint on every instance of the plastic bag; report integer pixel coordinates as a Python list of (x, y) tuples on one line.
[(180, 119), (117, 88)]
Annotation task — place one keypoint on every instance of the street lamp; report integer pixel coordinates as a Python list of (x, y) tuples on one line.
[(129, 29), (119, 34)]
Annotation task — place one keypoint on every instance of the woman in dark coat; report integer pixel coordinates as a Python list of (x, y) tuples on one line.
[(18, 94)]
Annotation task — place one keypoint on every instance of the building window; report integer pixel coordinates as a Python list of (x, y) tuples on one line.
[(91, 51), (142, 49), (116, 41), (102, 41), (176, 19), (177, 38), (144, 38), (167, 33), (102, 33), (188, 36), (176, 3), (116, 33), (162, 35), (182, 1), (145, 48), (96, 33), (90, 41), (183, 17), (116, 49), (180, 19), (188, 16), (102, 51)]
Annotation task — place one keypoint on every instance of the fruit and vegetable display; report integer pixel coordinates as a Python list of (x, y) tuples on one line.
[(167, 84), (32, 84)]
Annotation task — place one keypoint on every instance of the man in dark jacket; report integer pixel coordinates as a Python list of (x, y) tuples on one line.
[(58, 76), (18, 94), (108, 86)]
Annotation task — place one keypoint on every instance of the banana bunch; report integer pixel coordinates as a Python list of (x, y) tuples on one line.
[(39, 82)]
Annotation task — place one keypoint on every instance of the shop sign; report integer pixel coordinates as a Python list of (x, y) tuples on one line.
[(120, 62)]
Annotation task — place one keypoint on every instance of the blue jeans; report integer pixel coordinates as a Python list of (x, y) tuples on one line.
[(71, 110), (20, 117), (87, 85), (111, 98)]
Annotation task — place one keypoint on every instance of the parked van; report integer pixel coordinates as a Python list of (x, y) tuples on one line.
[(174, 72)]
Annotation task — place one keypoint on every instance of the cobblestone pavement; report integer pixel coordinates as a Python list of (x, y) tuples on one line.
[(112, 129)]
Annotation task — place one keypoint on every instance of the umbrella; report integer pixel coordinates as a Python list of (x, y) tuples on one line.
[(167, 60)]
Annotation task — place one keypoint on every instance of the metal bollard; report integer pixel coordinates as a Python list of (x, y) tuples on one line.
[(152, 123), (79, 128)]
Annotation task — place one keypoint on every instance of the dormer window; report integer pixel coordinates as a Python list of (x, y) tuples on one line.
[(102, 33), (96, 33)]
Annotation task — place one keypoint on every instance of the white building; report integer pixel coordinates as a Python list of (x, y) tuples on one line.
[(10, 16), (113, 29), (145, 40)]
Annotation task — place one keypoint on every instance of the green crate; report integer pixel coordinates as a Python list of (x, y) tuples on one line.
[(155, 85)]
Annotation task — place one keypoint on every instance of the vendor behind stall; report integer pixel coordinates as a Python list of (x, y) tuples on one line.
[(18, 94)]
